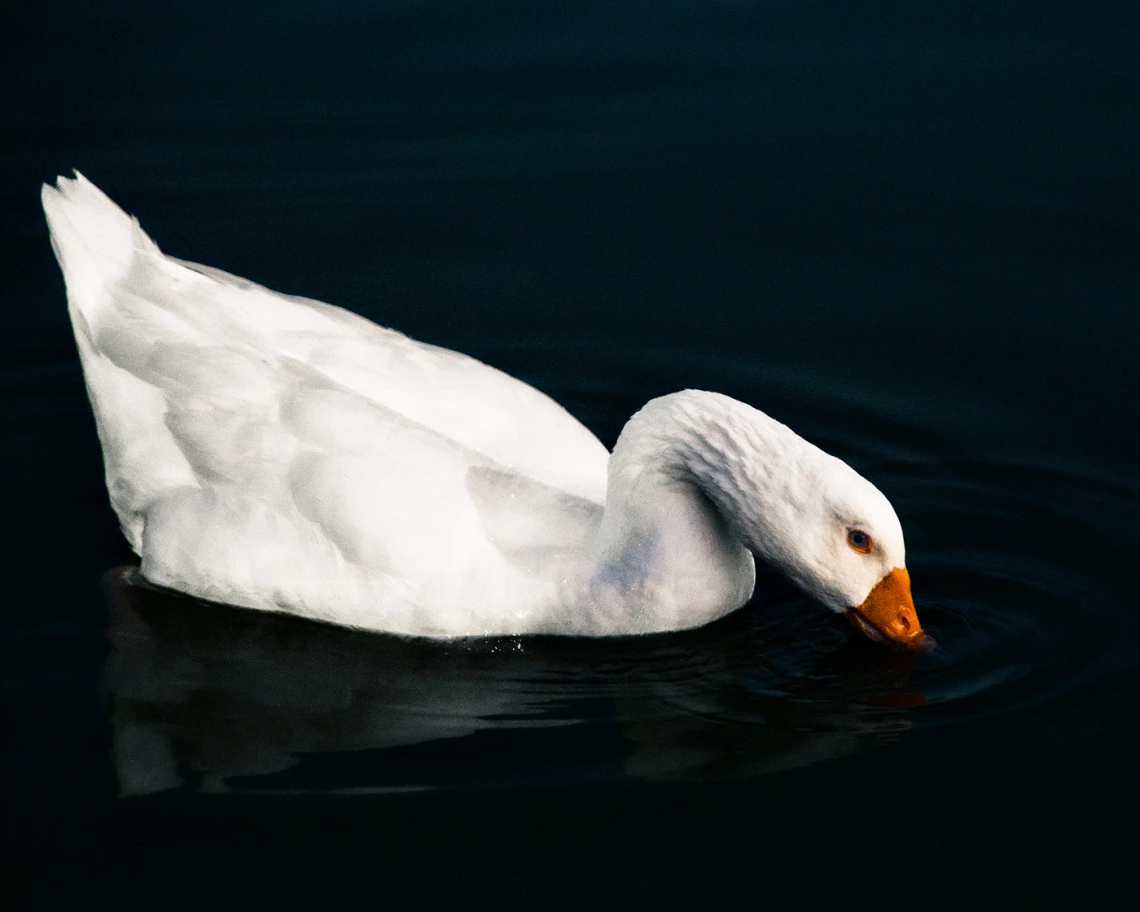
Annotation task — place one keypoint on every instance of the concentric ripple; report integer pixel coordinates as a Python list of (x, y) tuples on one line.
[(1019, 572)]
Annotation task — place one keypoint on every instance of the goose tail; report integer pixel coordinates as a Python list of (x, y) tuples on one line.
[(98, 247), (94, 240)]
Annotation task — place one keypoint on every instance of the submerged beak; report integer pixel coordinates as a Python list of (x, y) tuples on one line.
[(888, 613)]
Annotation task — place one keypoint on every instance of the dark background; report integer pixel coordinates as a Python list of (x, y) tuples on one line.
[(927, 210)]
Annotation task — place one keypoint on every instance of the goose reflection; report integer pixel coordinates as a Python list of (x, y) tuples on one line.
[(211, 698)]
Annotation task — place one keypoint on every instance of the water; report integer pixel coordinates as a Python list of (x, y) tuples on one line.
[(909, 233)]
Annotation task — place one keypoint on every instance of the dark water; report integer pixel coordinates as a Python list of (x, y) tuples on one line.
[(907, 230)]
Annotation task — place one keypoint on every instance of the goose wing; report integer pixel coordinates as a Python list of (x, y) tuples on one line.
[(249, 435)]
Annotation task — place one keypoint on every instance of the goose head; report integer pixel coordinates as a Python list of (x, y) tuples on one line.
[(839, 539)]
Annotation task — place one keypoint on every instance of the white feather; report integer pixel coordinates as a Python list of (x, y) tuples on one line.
[(282, 454)]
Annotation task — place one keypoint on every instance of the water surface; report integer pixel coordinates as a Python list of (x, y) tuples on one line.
[(908, 233)]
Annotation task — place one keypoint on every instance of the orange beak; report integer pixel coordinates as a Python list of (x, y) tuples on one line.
[(888, 613)]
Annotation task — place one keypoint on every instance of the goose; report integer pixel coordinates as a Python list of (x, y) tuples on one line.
[(277, 453)]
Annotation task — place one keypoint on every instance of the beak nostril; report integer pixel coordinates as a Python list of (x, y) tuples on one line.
[(904, 622)]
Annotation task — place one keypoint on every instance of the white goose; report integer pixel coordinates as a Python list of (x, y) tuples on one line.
[(282, 454)]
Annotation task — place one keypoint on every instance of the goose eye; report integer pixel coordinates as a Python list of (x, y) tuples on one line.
[(859, 541)]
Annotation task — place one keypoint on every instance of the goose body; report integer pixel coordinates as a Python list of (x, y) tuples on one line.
[(282, 454)]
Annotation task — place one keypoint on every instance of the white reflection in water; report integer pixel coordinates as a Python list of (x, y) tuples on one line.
[(212, 698)]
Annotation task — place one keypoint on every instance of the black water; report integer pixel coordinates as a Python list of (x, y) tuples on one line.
[(907, 230)]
